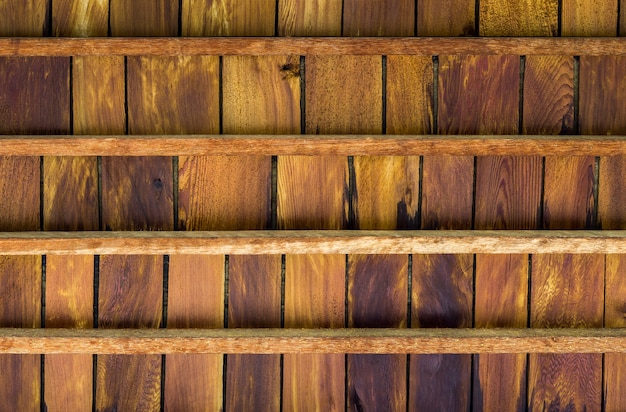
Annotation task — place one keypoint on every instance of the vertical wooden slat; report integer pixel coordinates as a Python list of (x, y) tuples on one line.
[(228, 18), (309, 17), (602, 109), (261, 95), (589, 18), (80, 18), (144, 17), (519, 18), (23, 18), (379, 18), (446, 18), (34, 98)]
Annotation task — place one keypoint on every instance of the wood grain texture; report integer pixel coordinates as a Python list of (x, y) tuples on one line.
[(614, 317), (446, 18), (193, 382), (143, 18), (379, 18), (228, 18), (548, 105), (566, 291), (309, 17), (325, 46), (23, 18), (80, 18), (409, 97), (589, 18), (253, 381), (519, 18), (314, 301), (130, 295)]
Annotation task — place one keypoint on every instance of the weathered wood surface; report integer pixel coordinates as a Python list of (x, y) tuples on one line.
[(80, 18), (309, 17), (143, 18), (518, 18), (328, 46), (582, 18), (271, 341), (228, 18), (394, 18), (24, 18)]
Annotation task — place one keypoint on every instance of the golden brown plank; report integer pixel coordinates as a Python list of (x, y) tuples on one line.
[(228, 18), (143, 17), (309, 17), (378, 18), (614, 317), (589, 18), (566, 291), (330, 46), (446, 18), (23, 18), (147, 341), (519, 18), (80, 18)]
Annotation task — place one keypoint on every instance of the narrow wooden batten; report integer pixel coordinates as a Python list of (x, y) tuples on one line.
[(270, 242), (312, 145), (275, 341)]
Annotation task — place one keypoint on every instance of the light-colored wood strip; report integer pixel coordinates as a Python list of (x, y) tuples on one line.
[(80, 18), (257, 46), (228, 17), (301, 341), (309, 17), (518, 18), (589, 18), (317, 242), (312, 145)]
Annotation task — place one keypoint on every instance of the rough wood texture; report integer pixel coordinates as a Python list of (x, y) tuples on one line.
[(309, 17), (446, 18), (314, 301), (566, 291), (80, 18), (23, 18), (144, 17), (130, 296), (253, 381), (549, 97), (589, 18), (228, 17), (328, 46), (519, 18), (614, 379), (378, 18)]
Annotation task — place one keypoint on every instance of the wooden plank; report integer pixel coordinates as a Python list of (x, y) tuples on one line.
[(326, 46), (583, 18), (272, 242), (23, 18), (34, 98), (228, 18), (446, 18), (314, 301), (80, 18), (130, 296), (379, 18), (253, 381), (148, 341), (316, 145), (309, 18), (601, 105), (519, 18), (566, 291), (260, 95), (143, 17)]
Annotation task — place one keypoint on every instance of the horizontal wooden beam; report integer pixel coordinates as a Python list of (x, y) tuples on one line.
[(274, 341), (154, 46), (310, 241), (312, 145)]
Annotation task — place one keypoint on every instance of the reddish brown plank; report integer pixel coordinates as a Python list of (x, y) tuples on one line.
[(253, 381), (228, 17), (589, 18), (446, 18), (23, 18), (144, 17), (379, 18), (309, 17), (80, 18), (518, 18), (25, 84)]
